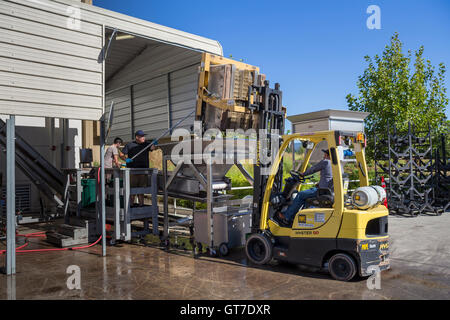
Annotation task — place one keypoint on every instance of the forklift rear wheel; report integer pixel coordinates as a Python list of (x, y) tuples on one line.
[(342, 267), (259, 249)]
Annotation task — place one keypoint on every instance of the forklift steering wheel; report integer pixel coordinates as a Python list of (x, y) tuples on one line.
[(296, 175)]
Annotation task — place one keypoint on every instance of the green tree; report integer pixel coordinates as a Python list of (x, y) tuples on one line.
[(393, 91)]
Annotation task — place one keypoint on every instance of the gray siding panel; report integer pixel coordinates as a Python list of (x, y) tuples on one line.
[(142, 116), (48, 97), (51, 45), (20, 52), (40, 110), (154, 62), (121, 126), (184, 95), (45, 13), (43, 83), (49, 31), (47, 69)]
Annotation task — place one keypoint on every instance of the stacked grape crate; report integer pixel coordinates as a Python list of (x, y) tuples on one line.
[(407, 161), (442, 176)]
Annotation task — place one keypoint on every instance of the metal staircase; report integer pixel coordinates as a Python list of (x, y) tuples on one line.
[(49, 180)]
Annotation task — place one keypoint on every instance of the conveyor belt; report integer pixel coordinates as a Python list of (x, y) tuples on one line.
[(48, 179)]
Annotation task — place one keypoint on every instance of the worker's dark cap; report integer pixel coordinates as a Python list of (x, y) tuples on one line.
[(139, 133), (326, 151)]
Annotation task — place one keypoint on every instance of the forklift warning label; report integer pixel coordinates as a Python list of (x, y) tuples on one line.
[(306, 225), (319, 217)]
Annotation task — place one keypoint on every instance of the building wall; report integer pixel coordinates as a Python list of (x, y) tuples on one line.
[(49, 67), (50, 55)]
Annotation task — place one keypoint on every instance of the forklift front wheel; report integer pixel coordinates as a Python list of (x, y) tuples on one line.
[(259, 249), (342, 267), (223, 249)]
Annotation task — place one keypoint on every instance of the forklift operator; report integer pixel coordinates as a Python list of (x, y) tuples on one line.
[(326, 181)]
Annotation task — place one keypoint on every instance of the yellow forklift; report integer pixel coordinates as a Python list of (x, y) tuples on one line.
[(344, 234)]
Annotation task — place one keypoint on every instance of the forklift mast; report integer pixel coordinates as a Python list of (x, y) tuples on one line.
[(234, 95), (268, 106)]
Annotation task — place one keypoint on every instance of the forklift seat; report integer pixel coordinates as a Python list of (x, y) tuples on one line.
[(323, 199)]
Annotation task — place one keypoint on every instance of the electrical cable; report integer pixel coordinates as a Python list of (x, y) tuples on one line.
[(18, 249), (32, 235), (60, 249)]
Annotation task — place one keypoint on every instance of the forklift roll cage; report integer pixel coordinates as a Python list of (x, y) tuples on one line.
[(342, 239), (334, 139)]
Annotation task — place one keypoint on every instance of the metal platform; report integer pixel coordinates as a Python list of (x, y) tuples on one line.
[(119, 210)]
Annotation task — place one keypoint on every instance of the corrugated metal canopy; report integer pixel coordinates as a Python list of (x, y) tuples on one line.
[(125, 48), (152, 85), (122, 22)]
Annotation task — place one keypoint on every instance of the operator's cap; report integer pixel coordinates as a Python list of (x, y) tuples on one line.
[(139, 133), (326, 151)]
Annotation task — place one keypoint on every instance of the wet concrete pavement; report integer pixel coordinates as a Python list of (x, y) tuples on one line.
[(420, 269)]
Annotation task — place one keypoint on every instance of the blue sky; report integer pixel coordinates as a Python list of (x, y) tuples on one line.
[(314, 49)]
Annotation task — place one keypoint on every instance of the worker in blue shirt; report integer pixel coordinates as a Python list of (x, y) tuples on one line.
[(130, 150)]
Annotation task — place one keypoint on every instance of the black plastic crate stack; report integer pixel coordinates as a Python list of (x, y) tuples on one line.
[(406, 161), (442, 175)]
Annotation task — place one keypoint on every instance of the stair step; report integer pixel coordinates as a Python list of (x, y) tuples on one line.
[(63, 241), (75, 232), (89, 224)]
